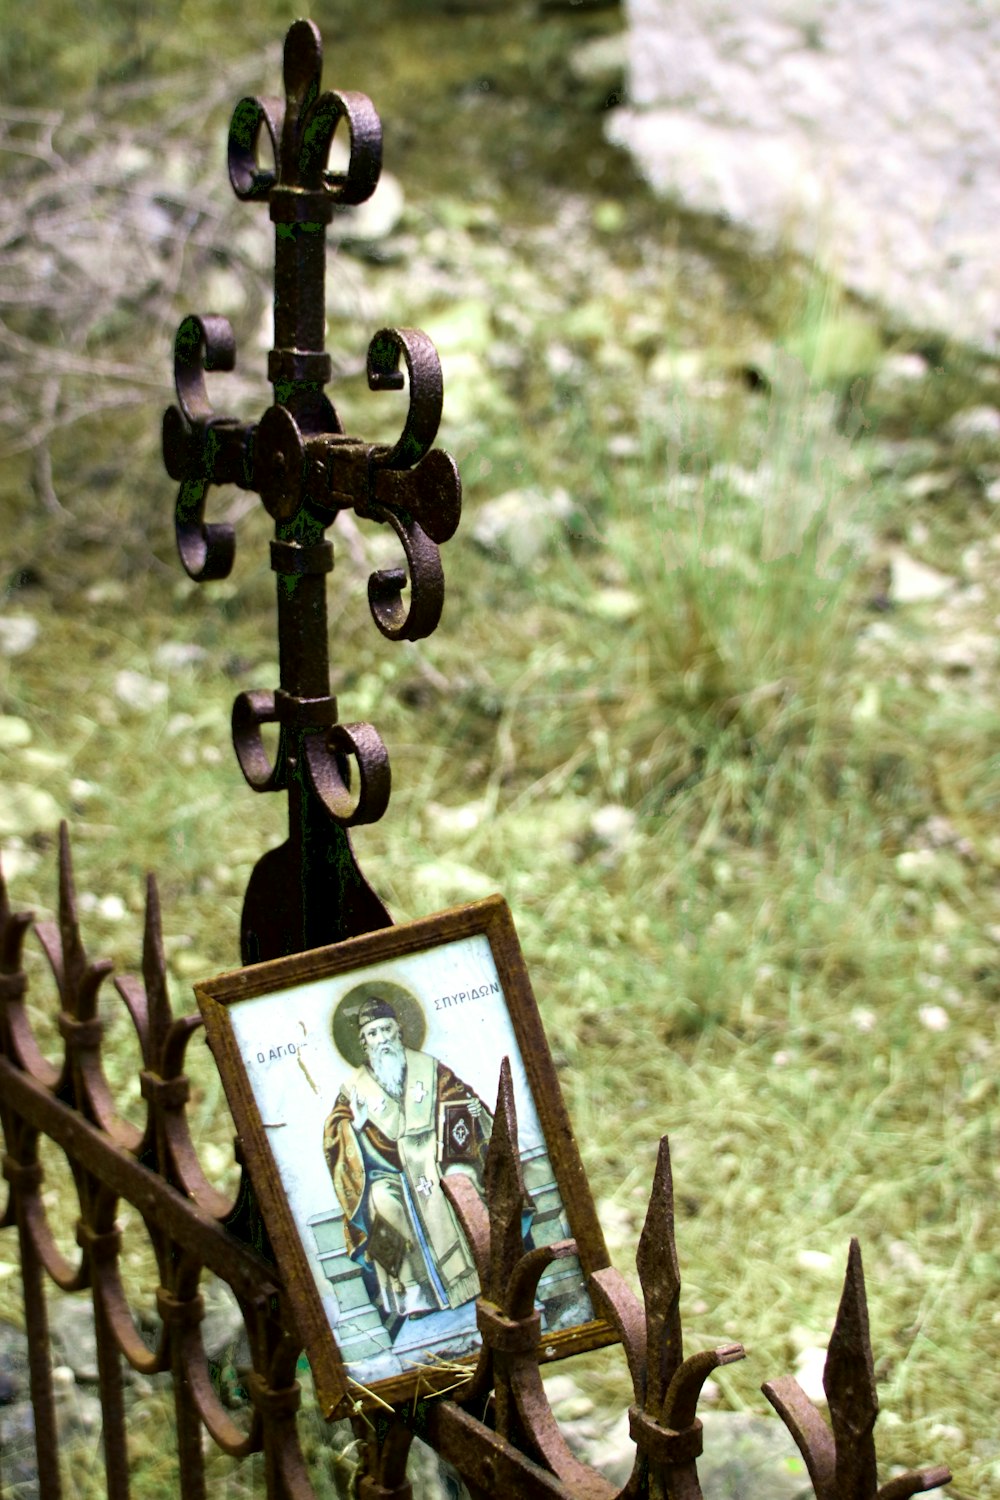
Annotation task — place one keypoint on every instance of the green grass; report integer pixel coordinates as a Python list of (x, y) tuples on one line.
[(785, 954)]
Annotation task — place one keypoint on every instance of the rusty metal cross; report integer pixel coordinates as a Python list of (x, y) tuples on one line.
[(310, 891)]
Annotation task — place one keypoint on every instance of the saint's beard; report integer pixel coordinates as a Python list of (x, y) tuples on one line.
[(387, 1062)]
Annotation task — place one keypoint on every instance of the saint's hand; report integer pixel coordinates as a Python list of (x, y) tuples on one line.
[(359, 1110), (475, 1107)]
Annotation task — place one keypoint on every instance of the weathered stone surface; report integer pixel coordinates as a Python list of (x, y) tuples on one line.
[(522, 525), (744, 1455), (859, 131)]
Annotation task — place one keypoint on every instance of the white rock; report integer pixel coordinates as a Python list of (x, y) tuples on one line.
[(449, 882), (809, 1367), (522, 525), (18, 633), (376, 218), (902, 369), (920, 486), (561, 360), (904, 1258), (917, 866), (140, 692), (946, 1432), (934, 1017), (44, 762), (965, 651), (975, 422), (617, 1222), (615, 604), (560, 1388), (613, 826), (456, 820), (190, 964), (747, 484), (748, 1456), (27, 809), (17, 860), (913, 582), (815, 1260), (766, 113), (573, 1410), (177, 654), (868, 706), (108, 591), (14, 732), (601, 60)]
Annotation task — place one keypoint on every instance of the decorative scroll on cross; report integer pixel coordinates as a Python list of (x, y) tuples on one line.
[(306, 470)]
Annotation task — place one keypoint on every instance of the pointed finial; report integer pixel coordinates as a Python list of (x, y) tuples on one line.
[(71, 944), (503, 1184), (849, 1382), (660, 1279), (148, 1002), (13, 927), (77, 978), (154, 974)]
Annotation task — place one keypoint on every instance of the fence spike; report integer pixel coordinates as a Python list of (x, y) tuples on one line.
[(147, 1002), (660, 1279), (71, 944), (849, 1382), (14, 926), (77, 978), (841, 1462), (154, 975), (503, 1183)]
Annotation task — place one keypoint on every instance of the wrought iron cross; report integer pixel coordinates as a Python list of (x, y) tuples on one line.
[(310, 891)]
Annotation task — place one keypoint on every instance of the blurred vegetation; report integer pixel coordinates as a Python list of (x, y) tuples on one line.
[(741, 797)]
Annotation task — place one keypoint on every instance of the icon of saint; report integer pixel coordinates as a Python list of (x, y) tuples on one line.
[(401, 1122)]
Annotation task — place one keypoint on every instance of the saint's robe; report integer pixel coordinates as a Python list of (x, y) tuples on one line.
[(398, 1223)]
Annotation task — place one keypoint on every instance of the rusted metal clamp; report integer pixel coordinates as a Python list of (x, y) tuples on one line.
[(663, 1445), (182, 1312), (13, 987), (293, 559), (274, 1403), (164, 1093), (24, 1177), (80, 1035), (371, 1489), (507, 1335), (100, 1247)]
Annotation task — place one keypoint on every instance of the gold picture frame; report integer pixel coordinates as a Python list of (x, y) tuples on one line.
[(358, 1076)]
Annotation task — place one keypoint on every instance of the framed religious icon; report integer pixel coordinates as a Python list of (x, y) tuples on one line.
[(362, 1075)]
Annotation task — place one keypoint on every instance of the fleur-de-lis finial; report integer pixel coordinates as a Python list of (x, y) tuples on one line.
[(663, 1420), (840, 1457), (306, 471)]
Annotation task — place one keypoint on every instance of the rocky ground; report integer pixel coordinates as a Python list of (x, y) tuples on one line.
[(861, 132)]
